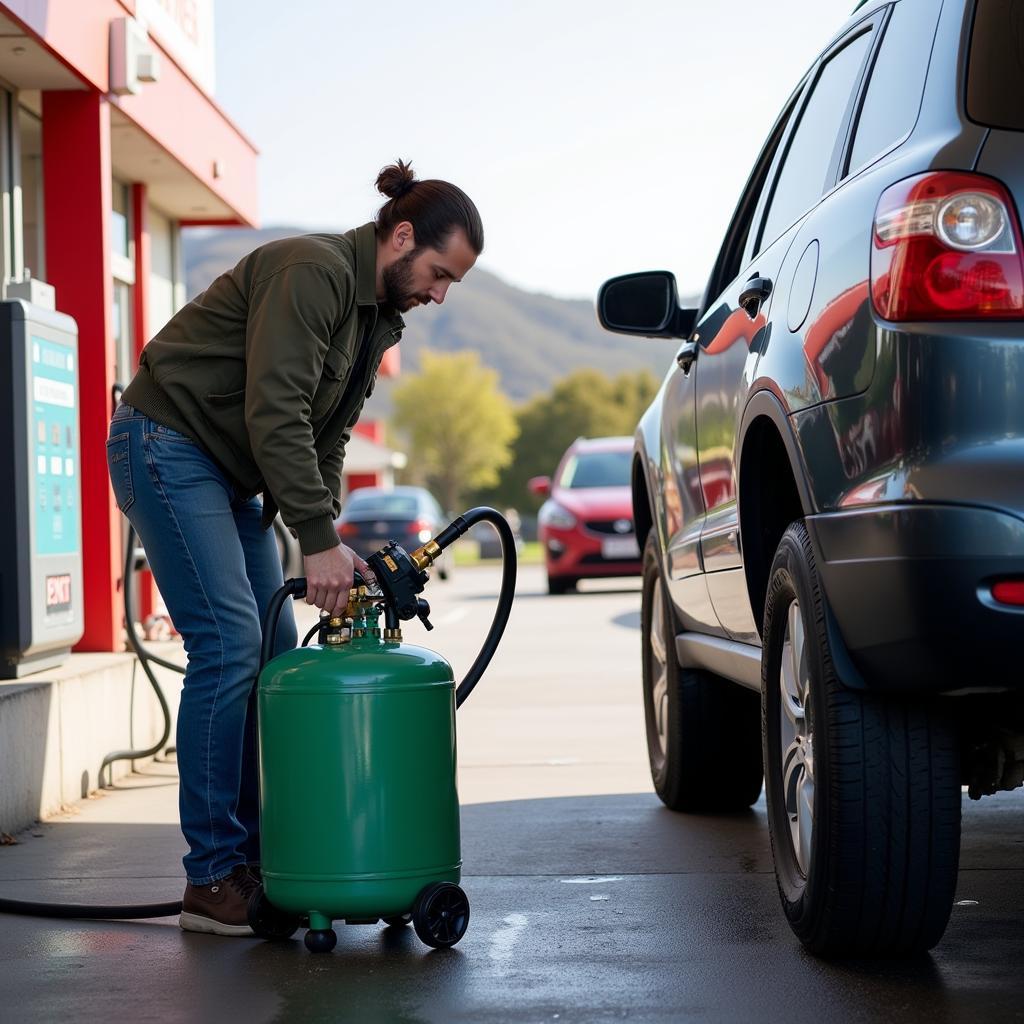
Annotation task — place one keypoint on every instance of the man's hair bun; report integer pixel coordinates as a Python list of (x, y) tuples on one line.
[(396, 179)]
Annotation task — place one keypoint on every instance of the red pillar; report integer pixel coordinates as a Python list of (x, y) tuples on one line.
[(77, 199), (140, 334)]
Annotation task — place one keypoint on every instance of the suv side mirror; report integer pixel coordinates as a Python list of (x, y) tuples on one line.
[(645, 304), (540, 485)]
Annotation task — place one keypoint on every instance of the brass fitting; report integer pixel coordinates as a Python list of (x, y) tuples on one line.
[(336, 622), (335, 639), (357, 633), (427, 555), (393, 634), (359, 601)]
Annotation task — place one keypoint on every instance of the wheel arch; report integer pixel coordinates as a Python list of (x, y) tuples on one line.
[(643, 513), (773, 490)]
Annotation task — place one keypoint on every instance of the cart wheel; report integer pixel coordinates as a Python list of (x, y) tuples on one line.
[(441, 914), (400, 921), (267, 921), (321, 940)]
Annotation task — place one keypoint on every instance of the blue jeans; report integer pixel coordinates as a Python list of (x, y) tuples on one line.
[(217, 570)]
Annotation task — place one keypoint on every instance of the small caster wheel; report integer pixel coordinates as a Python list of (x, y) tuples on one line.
[(267, 921), (321, 940), (400, 921), (441, 914)]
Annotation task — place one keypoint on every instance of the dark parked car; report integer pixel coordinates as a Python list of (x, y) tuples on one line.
[(586, 525), (830, 483), (410, 516)]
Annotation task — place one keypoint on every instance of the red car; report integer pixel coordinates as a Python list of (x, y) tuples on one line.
[(586, 525)]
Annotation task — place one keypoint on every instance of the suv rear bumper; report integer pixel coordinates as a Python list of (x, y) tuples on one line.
[(909, 589)]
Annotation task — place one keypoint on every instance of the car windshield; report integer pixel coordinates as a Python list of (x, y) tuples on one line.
[(597, 469), (389, 505)]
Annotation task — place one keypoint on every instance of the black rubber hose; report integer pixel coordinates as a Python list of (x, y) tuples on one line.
[(309, 635), (129, 911), (506, 595), (145, 657), (291, 588)]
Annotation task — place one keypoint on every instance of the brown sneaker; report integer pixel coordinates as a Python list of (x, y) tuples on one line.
[(220, 908)]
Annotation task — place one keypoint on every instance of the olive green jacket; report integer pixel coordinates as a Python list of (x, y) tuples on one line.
[(266, 370)]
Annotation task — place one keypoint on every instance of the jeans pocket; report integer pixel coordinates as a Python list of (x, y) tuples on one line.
[(119, 465), (159, 432)]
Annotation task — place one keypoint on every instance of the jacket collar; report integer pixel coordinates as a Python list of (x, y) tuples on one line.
[(366, 265)]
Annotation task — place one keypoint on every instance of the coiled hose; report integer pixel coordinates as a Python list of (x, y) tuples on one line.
[(145, 657)]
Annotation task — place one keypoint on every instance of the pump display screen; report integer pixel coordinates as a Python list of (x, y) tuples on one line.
[(54, 431)]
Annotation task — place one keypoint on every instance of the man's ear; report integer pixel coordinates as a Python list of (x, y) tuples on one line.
[(403, 238)]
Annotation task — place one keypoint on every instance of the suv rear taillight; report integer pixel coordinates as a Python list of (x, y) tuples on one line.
[(947, 246)]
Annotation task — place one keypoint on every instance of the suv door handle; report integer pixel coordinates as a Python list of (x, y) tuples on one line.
[(756, 290), (686, 355)]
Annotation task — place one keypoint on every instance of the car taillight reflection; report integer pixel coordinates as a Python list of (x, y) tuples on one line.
[(1009, 592)]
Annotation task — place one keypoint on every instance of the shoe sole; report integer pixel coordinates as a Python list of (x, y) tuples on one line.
[(208, 926)]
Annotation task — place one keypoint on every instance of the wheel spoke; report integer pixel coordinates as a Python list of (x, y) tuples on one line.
[(792, 712), (805, 818), (792, 771), (657, 625), (659, 701)]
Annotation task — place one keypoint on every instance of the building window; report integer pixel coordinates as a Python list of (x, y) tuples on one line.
[(30, 129), (122, 266), (162, 300)]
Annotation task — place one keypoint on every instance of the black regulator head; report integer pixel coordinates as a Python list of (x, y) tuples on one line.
[(400, 579)]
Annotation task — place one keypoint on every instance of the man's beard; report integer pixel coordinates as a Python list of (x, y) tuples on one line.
[(398, 290)]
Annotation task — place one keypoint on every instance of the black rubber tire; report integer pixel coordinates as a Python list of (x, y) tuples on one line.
[(561, 584), (401, 921), (318, 941), (885, 843), (712, 760), (268, 922), (441, 914)]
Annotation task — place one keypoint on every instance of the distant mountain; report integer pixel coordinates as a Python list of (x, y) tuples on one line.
[(530, 339)]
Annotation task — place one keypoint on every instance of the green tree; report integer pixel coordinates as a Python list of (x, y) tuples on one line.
[(458, 423), (586, 403)]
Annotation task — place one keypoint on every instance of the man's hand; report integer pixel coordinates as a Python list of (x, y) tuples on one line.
[(329, 577)]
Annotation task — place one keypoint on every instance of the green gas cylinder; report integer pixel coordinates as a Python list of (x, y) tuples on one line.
[(359, 808)]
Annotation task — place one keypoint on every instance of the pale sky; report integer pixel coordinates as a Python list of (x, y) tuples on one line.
[(596, 137)]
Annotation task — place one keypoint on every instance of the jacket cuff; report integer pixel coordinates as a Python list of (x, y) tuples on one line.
[(316, 535)]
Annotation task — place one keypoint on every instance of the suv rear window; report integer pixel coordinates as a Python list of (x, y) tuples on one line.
[(893, 96), (801, 181), (995, 68)]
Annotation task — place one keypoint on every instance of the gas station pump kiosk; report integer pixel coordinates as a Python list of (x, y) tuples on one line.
[(41, 596)]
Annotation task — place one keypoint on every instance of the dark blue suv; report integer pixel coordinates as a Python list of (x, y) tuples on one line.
[(830, 481)]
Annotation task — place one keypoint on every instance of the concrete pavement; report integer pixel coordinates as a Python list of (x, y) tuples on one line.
[(590, 901)]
